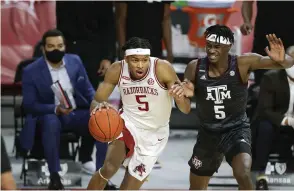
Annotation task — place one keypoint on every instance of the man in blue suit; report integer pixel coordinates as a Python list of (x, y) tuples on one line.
[(44, 110)]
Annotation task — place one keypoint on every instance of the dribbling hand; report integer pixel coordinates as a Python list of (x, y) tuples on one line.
[(102, 105)]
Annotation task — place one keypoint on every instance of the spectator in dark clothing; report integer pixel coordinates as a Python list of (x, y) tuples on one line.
[(47, 114), (148, 20), (274, 112), (272, 18), (7, 180), (89, 30), (274, 118)]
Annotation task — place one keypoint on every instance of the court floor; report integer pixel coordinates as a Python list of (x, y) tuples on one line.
[(174, 173)]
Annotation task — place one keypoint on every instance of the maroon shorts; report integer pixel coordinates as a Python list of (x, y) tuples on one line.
[(128, 139)]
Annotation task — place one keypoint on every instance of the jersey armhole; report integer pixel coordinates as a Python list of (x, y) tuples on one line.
[(121, 72), (238, 73), (197, 70), (158, 82)]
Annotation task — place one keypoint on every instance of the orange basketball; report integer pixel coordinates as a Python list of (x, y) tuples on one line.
[(106, 125)]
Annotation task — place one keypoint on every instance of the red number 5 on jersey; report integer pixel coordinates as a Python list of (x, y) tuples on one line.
[(145, 103)]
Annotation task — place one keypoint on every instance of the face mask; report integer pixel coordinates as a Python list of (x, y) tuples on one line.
[(54, 56), (290, 72)]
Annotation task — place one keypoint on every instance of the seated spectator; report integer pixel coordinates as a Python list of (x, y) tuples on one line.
[(43, 109), (7, 180), (274, 116)]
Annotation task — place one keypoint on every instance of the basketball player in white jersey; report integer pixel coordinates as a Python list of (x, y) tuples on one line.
[(144, 84)]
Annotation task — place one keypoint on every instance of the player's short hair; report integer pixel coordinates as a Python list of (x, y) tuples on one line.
[(51, 33), (220, 30), (136, 42)]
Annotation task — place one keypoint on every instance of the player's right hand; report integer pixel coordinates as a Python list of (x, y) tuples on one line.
[(101, 105), (246, 28)]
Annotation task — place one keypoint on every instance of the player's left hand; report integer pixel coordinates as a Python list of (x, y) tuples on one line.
[(104, 65), (188, 88), (177, 91), (277, 50)]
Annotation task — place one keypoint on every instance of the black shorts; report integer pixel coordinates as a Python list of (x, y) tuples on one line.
[(210, 149)]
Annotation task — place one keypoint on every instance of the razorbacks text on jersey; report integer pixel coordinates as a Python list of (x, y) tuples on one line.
[(146, 102), (220, 101)]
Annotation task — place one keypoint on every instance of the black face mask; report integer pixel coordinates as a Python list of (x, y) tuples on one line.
[(54, 56)]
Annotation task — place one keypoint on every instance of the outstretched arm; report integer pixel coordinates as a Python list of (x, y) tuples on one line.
[(107, 86), (167, 75), (276, 59)]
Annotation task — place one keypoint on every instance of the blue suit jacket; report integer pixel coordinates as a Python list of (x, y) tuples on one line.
[(38, 98)]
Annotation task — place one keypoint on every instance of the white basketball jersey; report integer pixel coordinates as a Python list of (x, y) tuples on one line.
[(146, 102)]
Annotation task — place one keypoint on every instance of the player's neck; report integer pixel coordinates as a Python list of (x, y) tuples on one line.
[(222, 64)]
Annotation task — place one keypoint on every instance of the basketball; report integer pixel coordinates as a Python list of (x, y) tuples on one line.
[(106, 125)]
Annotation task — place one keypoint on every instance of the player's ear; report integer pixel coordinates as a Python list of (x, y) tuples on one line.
[(228, 47)]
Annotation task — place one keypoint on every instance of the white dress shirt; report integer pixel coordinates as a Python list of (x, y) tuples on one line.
[(60, 74), (289, 112)]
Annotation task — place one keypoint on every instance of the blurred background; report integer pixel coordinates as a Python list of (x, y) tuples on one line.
[(23, 24)]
